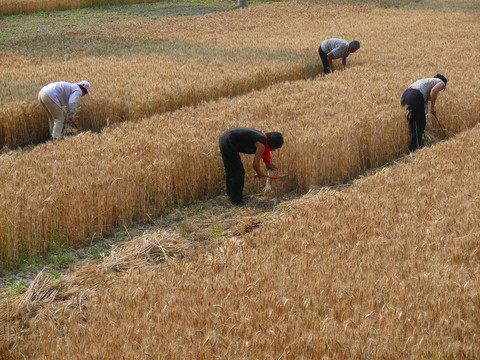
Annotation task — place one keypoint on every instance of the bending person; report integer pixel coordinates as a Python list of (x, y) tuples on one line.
[(416, 97), (57, 95), (335, 49), (247, 141)]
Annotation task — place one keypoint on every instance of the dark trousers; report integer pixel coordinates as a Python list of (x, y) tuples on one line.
[(234, 171), (326, 65), (415, 116)]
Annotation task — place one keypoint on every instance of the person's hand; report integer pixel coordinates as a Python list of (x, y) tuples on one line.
[(433, 110), (71, 121), (270, 166)]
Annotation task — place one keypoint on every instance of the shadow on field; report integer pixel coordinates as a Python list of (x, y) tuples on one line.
[(79, 46)]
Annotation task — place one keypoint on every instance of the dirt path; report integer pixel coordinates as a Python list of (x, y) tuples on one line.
[(204, 223)]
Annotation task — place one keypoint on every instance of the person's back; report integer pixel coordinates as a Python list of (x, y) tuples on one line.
[(243, 139), (339, 47), (425, 86), (248, 141), (334, 49), (54, 96), (416, 97), (61, 91)]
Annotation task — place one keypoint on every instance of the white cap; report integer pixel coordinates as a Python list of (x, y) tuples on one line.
[(86, 85)]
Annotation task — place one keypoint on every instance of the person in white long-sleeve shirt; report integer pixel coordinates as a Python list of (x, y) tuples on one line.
[(57, 95)]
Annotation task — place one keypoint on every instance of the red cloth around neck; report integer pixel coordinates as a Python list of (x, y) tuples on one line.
[(266, 154)]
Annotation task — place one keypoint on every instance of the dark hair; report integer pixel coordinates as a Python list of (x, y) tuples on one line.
[(85, 91), (441, 77), (275, 139), (354, 44)]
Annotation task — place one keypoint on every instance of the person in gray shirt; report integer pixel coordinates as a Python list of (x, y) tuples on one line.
[(335, 49), (416, 98)]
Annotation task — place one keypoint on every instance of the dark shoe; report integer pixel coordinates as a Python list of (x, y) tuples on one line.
[(240, 203)]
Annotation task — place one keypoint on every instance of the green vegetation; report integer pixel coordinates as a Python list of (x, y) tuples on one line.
[(16, 288), (132, 8), (217, 230), (56, 262)]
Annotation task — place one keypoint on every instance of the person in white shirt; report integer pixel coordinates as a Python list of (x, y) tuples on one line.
[(57, 95), (335, 49), (416, 98)]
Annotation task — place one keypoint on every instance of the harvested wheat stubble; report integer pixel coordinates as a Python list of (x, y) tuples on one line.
[(387, 268), (153, 247)]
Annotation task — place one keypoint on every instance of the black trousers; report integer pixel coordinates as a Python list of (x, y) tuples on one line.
[(326, 65), (234, 171), (415, 116)]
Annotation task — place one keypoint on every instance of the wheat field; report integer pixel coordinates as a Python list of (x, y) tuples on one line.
[(335, 127), (140, 68), (386, 268), (13, 7), (134, 77)]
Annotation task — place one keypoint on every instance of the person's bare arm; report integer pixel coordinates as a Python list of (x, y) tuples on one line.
[(256, 160), (433, 97), (330, 62)]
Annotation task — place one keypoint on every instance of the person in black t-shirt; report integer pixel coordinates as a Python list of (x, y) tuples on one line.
[(247, 141)]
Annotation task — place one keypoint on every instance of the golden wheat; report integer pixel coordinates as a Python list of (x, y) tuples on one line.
[(136, 77), (146, 67), (334, 127), (9, 7), (387, 268)]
